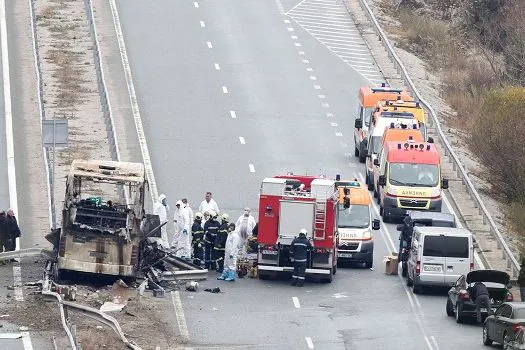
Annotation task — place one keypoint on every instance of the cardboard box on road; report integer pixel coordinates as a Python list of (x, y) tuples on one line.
[(391, 263)]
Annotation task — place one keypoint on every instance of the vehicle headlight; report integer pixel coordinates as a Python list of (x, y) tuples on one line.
[(367, 234)]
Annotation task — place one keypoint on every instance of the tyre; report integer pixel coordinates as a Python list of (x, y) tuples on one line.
[(329, 278), (386, 217), (376, 195), (486, 340), (356, 152), (404, 269), (369, 182), (457, 313), (369, 264), (450, 308), (416, 289), (334, 270)]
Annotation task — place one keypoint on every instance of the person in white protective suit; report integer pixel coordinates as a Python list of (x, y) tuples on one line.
[(161, 208), (231, 254), (181, 236), (187, 205), (208, 204), (245, 224)]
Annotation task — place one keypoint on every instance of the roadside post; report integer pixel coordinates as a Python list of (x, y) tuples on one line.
[(54, 134)]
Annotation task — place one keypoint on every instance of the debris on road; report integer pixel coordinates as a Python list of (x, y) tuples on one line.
[(192, 286), (214, 290)]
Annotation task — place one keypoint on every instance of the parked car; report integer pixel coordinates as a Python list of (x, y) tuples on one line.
[(518, 343), (462, 306), (503, 325), (432, 218)]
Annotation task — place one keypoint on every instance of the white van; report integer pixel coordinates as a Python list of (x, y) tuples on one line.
[(438, 256)]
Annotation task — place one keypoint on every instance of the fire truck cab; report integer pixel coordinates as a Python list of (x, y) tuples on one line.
[(288, 204), (355, 224)]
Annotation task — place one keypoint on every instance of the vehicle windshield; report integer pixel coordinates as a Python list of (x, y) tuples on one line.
[(417, 175), (375, 144), (357, 216)]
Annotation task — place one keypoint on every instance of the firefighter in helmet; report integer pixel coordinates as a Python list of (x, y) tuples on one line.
[(220, 242), (211, 228), (299, 251), (197, 239)]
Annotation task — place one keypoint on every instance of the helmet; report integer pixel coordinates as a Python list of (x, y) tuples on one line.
[(198, 216), (162, 197), (213, 214), (225, 217), (303, 231)]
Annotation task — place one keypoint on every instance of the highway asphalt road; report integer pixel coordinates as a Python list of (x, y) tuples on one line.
[(193, 63)]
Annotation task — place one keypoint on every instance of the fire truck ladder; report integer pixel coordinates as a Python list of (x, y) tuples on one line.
[(320, 219)]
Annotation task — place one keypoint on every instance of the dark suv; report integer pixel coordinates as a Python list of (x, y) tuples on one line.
[(461, 305)]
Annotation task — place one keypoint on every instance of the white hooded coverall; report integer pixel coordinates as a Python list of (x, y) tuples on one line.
[(232, 251), (162, 211), (181, 237), (245, 225)]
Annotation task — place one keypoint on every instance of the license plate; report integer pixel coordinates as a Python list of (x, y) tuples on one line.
[(433, 268), (345, 255), (483, 310), (269, 252), (348, 235)]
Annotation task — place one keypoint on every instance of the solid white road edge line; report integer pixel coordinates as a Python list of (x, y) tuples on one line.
[(434, 341), (179, 313), (296, 302), (309, 342), (11, 171), (134, 103)]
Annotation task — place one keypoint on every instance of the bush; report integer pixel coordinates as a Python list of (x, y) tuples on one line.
[(497, 137)]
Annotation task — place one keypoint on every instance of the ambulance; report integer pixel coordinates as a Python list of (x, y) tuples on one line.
[(368, 98), (355, 224), (409, 178), (409, 107), (378, 126), (392, 132)]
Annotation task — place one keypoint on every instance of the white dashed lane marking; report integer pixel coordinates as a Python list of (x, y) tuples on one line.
[(296, 302), (217, 67), (252, 168), (317, 87), (233, 114), (309, 342), (225, 89), (338, 134), (313, 77), (202, 24), (329, 115), (209, 44), (333, 124), (241, 140), (330, 23), (196, 4), (301, 52)]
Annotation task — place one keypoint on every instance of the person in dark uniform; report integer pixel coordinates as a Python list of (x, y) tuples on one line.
[(197, 240), (220, 242), (299, 250), (481, 296), (211, 228), (405, 237)]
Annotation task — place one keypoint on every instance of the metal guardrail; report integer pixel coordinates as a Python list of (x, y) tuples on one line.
[(512, 262)]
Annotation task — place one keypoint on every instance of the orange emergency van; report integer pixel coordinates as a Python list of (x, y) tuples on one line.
[(368, 97), (409, 178), (355, 224), (393, 132)]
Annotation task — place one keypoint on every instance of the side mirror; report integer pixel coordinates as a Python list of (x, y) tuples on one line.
[(400, 227), (382, 180), (376, 162), (376, 224), (358, 123), (444, 183)]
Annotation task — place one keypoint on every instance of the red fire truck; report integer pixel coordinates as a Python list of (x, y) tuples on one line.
[(287, 204)]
